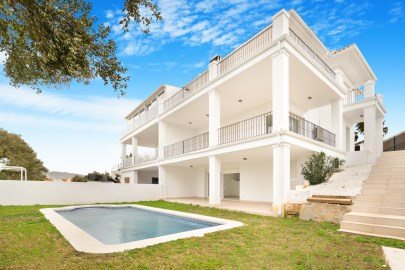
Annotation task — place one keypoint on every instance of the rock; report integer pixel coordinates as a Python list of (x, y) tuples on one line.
[(292, 209), (324, 212)]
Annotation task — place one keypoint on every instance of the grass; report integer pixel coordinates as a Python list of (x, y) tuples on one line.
[(29, 241)]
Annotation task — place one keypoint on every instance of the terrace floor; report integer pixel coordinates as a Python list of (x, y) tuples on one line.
[(258, 208)]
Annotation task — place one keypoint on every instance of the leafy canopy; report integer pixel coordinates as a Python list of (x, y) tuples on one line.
[(55, 42), (14, 151)]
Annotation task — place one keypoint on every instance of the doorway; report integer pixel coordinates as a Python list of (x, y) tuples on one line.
[(231, 186)]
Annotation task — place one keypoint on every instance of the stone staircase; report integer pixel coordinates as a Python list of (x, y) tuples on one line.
[(380, 208)]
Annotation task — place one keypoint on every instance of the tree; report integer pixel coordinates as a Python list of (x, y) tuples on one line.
[(55, 42), (360, 130), (14, 151), (320, 168)]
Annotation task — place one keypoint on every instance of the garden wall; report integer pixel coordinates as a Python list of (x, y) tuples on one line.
[(53, 193)]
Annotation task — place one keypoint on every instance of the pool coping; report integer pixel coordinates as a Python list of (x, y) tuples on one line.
[(84, 242)]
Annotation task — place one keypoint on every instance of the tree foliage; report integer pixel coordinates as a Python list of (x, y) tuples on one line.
[(55, 42), (14, 151), (320, 168), (360, 130)]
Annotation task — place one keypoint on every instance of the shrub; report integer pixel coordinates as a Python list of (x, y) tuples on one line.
[(320, 168), (78, 178)]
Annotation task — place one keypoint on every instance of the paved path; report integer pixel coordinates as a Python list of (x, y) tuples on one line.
[(394, 257)]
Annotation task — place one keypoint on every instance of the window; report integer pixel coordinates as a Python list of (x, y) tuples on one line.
[(155, 180)]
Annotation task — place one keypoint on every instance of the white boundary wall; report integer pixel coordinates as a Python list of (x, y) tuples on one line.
[(54, 193)]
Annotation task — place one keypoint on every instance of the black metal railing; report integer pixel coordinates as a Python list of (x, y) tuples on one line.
[(311, 53), (305, 128), (249, 128), (186, 146)]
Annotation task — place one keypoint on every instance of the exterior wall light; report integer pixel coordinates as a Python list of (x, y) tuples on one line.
[(309, 98), (240, 101)]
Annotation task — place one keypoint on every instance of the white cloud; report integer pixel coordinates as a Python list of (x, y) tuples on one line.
[(396, 13), (3, 57), (56, 104), (76, 133)]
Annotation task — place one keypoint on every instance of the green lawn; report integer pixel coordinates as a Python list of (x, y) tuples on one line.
[(29, 241)]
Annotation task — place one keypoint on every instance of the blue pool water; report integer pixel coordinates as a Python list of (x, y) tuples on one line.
[(126, 224)]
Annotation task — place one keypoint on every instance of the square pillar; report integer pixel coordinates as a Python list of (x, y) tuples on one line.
[(134, 149), (281, 176), (370, 128), (369, 89), (281, 90), (281, 24), (162, 182), (213, 68), (214, 107), (123, 152), (162, 139), (214, 193), (351, 138), (379, 135), (337, 122), (134, 178)]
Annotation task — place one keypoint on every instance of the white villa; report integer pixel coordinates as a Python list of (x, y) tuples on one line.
[(242, 128)]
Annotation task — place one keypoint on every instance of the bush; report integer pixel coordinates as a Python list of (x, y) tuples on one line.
[(78, 178), (320, 168)]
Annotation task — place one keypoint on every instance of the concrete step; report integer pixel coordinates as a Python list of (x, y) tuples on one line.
[(379, 203), (378, 191), (372, 229), (384, 181), (378, 210), (387, 197), (385, 186), (378, 219)]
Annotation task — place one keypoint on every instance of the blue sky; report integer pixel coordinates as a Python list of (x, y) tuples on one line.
[(77, 129)]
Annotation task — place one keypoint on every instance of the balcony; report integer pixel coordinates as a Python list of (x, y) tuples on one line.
[(142, 119), (249, 128), (246, 51), (190, 89), (353, 96), (263, 124), (312, 54), (305, 128), (190, 145)]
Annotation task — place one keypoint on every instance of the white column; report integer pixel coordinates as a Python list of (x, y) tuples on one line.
[(134, 178), (214, 107), (281, 176), (369, 89), (213, 67), (134, 149), (214, 193), (379, 135), (162, 139), (351, 138), (123, 152), (281, 24), (339, 77), (369, 128), (162, 182), (222, 186), (281, 89), (337, 122)]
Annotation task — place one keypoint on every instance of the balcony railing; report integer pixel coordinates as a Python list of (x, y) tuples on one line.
[(312, 54), (353, 96), (249, 128), (305, 128), (141, 120), (190, 145), (144, 159), (246, 51), (190, 89), (127, 162)]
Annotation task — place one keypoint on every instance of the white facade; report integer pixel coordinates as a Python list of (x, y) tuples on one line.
[(244, 127)]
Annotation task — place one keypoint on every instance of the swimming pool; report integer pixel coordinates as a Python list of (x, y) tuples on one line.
[(114, 228)]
